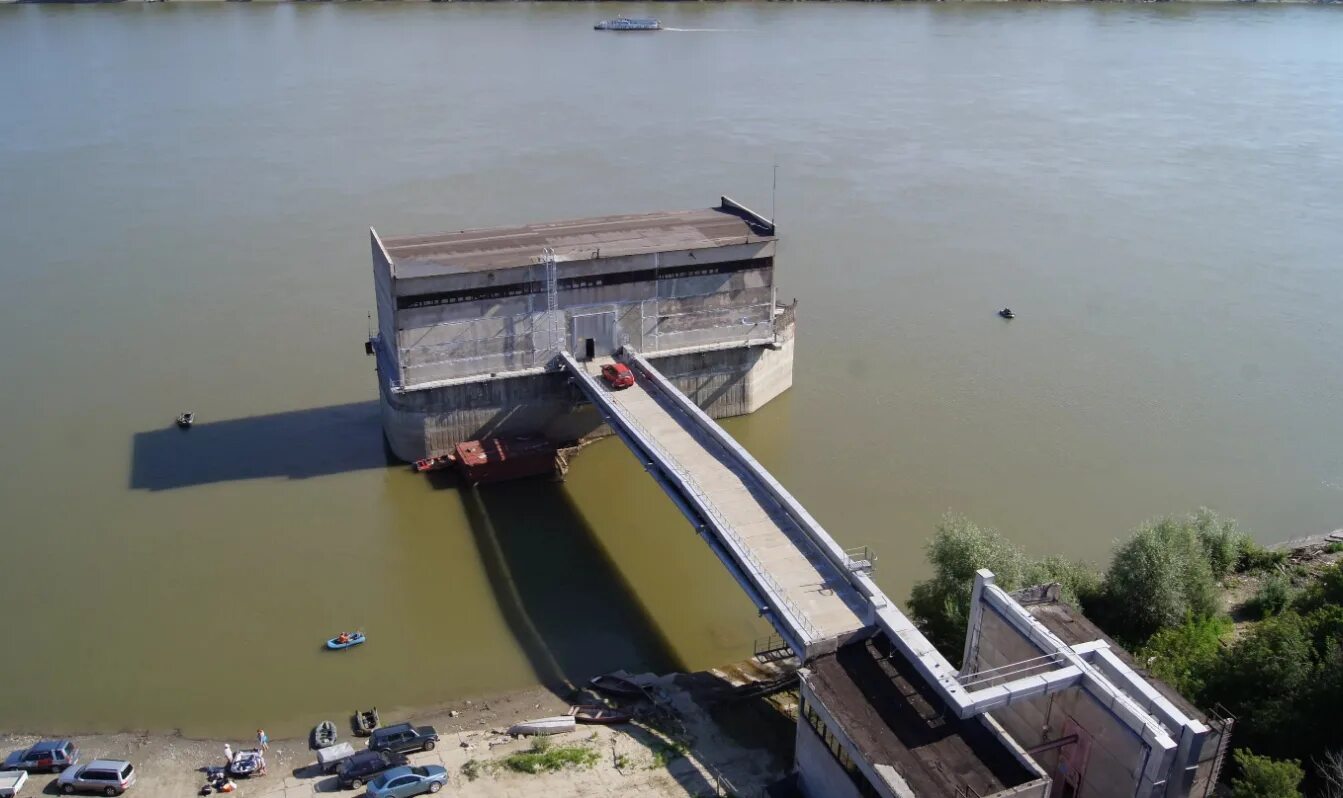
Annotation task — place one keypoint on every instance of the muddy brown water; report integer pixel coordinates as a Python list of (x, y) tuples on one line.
[(184, 197)]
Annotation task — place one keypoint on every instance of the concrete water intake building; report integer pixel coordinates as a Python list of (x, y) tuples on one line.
[(494, 332), (470, 323)]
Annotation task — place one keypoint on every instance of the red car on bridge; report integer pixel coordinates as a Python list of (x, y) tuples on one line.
[(618, 376)]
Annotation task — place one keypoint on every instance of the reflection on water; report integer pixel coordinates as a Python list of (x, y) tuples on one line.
[(567, 603)]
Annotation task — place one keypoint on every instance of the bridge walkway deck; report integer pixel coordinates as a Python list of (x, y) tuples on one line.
[(791, 569)]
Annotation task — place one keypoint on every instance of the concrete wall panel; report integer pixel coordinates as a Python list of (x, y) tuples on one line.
[(820, 775), (383, 294), (431, 421)]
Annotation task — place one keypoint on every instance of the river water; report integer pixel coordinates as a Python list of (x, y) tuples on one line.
[(184, 197)]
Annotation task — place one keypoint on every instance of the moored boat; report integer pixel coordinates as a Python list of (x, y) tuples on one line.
[(351, 639), (434, 463), (186, 420), (617, 683), (543, 726), (500, 459), (324, 734), (246, 763), (365, 722), (596, 713), (627, 23)]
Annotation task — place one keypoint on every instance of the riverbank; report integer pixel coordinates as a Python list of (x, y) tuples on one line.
[(689, 746)]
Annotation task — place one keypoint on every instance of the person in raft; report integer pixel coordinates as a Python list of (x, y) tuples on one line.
[(343, 637)]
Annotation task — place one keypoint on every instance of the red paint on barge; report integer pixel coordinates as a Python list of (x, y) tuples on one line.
[(500, 459)]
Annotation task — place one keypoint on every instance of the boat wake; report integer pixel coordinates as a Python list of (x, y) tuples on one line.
[(705, 30)]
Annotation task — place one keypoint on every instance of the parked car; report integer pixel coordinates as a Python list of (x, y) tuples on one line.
[(405, 782), (356, 771), (107, 776), (50, 755), (11, 781), (618, 376), (403, 738)]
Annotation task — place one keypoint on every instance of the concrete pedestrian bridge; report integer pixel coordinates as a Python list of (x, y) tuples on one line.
[(796, 574), (897, 718)]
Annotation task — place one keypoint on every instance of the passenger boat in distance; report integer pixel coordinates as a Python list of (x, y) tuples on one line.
[(365, 722), (540, 727), (626, 23), (324, 735), (596, 713)]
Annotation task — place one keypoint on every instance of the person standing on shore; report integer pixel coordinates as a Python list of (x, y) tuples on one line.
[(228, 754), (262, 740)]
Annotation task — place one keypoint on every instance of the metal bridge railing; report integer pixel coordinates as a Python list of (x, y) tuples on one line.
[(706, 505)]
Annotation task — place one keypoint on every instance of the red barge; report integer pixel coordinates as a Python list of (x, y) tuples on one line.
[(496, 459)]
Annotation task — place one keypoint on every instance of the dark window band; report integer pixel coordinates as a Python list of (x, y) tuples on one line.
[(570, 283)]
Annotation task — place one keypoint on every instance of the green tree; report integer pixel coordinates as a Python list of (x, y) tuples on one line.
[(1325, 590), (1263, 777), (959, 548), (1272, 597), (1160, 577), (1221, 540), (1266, 680), (1188, 655)]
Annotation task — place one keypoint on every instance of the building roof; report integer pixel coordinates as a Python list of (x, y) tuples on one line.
[(897, 721), (483, 249), (1068, 623)]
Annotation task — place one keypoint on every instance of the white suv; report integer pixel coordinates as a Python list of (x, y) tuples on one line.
[(107, 776)]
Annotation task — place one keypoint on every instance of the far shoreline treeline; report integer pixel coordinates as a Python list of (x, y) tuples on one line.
[(618, 3)]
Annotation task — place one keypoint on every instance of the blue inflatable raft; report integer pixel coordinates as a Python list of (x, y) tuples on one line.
[(355, 638)]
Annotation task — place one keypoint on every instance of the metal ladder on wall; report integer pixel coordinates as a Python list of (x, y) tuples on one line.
[(552, 298), (1220, 718)]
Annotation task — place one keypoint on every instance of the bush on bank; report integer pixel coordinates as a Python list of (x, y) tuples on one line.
[(959, 548), (1166, 573), (1262, 777)]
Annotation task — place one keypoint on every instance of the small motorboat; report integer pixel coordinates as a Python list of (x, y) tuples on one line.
[(434, 463), (186, 420), (616, 683), (1007, 313), (246, 763), (365, 722), (324, 735), (351, 639), (596, 713), (540, 727)]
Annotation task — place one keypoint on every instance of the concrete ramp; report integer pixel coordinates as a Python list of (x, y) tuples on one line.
[(800, 579)]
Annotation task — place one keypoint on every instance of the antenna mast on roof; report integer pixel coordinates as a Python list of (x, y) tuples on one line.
[(773, 195)]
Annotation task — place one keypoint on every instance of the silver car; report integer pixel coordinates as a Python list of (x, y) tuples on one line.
[(107, 776)]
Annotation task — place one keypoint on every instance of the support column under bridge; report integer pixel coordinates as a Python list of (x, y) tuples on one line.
[(815, 596)]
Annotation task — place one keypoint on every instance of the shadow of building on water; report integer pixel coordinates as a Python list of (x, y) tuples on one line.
[(298, 444), (564, 599)]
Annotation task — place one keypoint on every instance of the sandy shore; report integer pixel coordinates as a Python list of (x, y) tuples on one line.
[(698, 748)]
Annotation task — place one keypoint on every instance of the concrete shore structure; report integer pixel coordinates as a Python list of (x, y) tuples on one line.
[(470, 323)]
